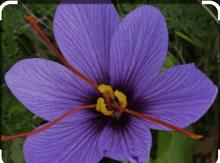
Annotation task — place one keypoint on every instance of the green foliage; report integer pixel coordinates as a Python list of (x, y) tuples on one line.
[(17, 150), (42, 10), (13, 37), (174, 147), (170, 61), (16, 119), (189, 16)]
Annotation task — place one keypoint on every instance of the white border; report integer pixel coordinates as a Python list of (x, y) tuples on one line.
[(213, 4), (1, 161), (5, 4)]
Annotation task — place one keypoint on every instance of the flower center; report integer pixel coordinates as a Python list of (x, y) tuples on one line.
[(115, 97)]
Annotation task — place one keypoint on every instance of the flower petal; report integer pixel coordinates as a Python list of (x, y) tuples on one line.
[(49, 89), (180, 96), (66, 143), (131, 141), (83, 33), (138, 48)]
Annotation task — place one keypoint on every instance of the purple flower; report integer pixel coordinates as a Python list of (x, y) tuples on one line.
[(126, 54)]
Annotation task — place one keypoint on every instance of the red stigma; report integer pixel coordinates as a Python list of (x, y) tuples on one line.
[(37, 28), (158, 121), (5, 138)]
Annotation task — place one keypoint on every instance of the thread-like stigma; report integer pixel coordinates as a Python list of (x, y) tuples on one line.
[(37, 28), (158, 121), (5, 138), (43, 35)]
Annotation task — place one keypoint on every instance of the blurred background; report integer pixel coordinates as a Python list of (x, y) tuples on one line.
[(193, 37)]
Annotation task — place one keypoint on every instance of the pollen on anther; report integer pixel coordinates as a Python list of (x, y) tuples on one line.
[(197, 136)]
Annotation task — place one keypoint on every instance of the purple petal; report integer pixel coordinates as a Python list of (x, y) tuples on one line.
[(138, 48), (131, 141), (66, 143), (181, 95), (49, 89), (83, 33)]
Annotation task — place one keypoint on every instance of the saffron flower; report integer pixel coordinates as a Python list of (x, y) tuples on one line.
[(124, 58)]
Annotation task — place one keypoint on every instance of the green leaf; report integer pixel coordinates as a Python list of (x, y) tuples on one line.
[(174, 147), (189, 39), (170, 61), (17, 153), (189, 16)]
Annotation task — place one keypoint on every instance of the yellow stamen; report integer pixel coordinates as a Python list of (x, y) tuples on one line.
[(101, 107), (121, 98), (107, 89), (196, 136)]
